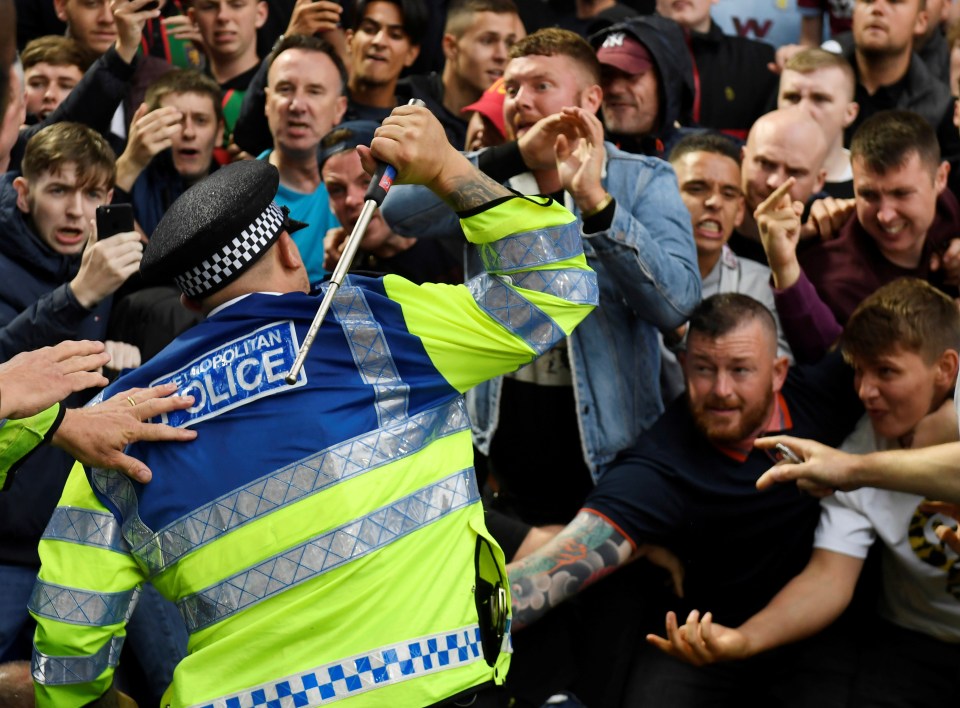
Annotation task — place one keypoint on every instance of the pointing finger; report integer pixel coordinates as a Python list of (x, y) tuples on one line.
[(776, 196)]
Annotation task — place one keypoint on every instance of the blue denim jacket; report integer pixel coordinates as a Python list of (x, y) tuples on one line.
[(646, 265)]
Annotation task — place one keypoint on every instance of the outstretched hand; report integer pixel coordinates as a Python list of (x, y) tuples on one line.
[(33, 381), (98, 435), (700, 641), (823, 471)]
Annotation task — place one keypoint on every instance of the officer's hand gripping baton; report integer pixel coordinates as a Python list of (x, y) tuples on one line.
[(379, 186)]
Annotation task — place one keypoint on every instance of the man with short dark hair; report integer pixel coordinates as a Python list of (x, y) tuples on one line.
[(384, 40), (687, 484), (306, 97), (50, 292), (477, 38), (52, 66), (638, 237), (229, 32)]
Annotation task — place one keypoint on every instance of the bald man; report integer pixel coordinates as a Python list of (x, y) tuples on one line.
[(782, 144)]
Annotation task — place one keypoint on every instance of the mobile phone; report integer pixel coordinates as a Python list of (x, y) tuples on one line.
[(787, 454), (113, 219)]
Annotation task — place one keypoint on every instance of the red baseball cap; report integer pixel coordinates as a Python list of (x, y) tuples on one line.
[(624, 52), (490, 105)]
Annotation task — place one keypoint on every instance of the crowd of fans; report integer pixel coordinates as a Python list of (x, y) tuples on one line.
[(776, 236)]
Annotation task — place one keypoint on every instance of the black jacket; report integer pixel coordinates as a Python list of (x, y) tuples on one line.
[(735, 86)]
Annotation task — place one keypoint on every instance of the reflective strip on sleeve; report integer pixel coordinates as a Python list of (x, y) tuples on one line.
[(531, 249), (81, 606), (66, 670), (518, 315), (371, 354), (364, 672), (85, 527), (329, 551), (577, 286), (346, 460)]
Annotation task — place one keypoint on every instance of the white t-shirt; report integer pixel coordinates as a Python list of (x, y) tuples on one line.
[(921, 576)]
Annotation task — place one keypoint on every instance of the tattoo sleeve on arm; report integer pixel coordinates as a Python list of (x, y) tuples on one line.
[(586, 550), (474, 191)]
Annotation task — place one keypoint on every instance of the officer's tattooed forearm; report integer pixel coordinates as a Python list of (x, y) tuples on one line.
[(586, 550), (474, 191)]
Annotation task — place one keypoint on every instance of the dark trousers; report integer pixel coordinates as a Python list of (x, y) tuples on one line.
[(901, 669)]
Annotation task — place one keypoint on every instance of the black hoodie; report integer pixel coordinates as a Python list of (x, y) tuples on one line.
[(664, 40)]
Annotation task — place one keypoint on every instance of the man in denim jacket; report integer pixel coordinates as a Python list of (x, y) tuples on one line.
[(552, 429), (637, 237)]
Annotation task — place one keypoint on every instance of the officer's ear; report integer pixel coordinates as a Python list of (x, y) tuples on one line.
[(288, 252)]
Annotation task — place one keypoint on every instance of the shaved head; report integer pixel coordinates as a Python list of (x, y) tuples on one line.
[(782, 144)]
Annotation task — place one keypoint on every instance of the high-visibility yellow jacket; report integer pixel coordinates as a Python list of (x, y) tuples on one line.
[(323, 541), (19, 437)]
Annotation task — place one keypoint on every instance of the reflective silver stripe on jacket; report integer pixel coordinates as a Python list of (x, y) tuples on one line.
[(97, 609), (578, 286), (64, 670), (503, 304), (85, 527), (532, 248), (371, 354), (351, 458), (329, 550), (357, 674)]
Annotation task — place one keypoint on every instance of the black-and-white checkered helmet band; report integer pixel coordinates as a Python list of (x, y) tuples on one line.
[(232, 258)]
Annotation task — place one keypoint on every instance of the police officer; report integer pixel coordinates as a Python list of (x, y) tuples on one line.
[(323, 539)]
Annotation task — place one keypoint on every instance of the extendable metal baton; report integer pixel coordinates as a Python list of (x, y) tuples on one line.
[(379, 186)]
